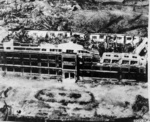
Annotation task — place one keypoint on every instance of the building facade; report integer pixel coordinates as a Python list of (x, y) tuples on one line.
[(68, 63)]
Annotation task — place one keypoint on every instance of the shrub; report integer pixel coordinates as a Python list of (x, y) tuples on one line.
[(75, 95)]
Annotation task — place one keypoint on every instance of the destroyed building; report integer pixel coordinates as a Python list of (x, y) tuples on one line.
[(70, 60)]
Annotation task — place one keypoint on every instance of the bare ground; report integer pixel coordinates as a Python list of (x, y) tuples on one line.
[(49, 98)]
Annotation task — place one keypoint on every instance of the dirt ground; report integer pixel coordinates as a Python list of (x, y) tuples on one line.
[(49, 98)]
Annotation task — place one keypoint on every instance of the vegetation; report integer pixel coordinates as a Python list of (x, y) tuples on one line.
[(87, 16), (141, 105)]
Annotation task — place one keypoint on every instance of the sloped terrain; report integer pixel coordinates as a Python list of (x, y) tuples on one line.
[(112, 16)]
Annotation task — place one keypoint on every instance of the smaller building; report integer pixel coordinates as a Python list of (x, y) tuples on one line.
[(51, 34), (98, 37), (80, 35)]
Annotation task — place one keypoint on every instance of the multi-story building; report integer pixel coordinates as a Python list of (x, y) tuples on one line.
[(69, 60)]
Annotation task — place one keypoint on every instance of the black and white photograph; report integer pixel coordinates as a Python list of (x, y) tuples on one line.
[(74, 60)]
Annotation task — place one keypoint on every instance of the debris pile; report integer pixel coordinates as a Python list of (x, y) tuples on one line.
[(31, 99), (140, 107)]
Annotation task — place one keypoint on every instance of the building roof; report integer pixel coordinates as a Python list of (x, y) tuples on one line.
[(3, 34), (47, 45), (70, 46)]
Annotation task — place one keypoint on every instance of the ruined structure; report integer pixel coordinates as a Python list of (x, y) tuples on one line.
[(69, 60)]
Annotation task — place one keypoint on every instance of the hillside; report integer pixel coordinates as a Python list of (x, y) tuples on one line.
[(112, 16)]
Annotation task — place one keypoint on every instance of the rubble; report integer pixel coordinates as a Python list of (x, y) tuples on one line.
[(140, 107), (104, 99)]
